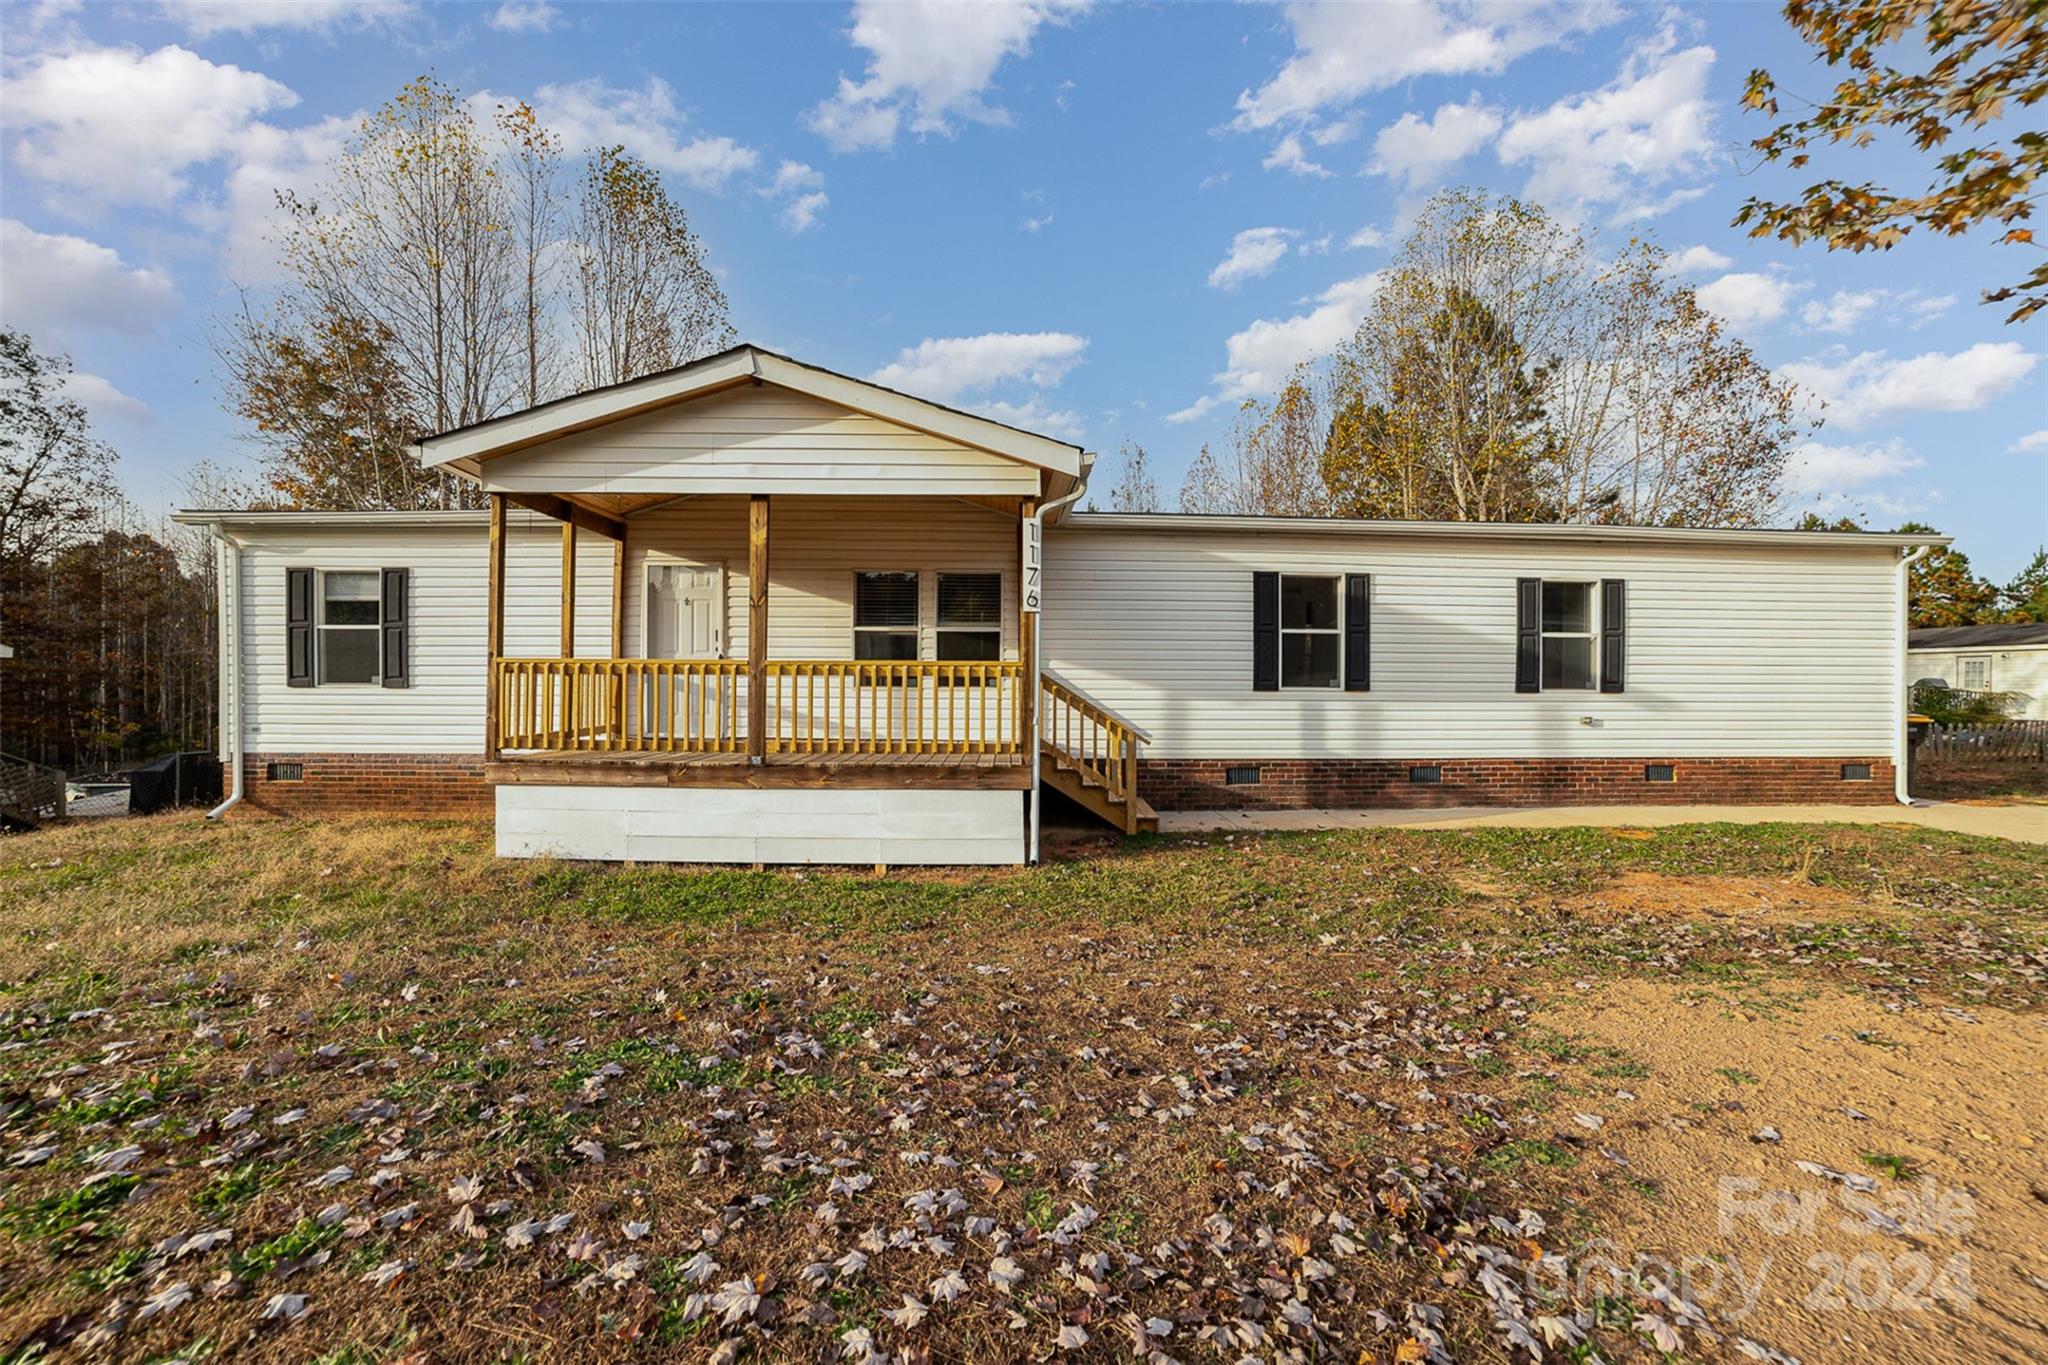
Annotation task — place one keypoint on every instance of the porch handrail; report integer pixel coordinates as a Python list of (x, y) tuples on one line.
[(814, 706), (895, 706), (1085, 735)]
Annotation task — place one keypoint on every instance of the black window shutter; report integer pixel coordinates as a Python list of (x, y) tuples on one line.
[(1358, 632), (1613, 633), (298, 627), (397, 585), (1528, 635), (1265, 632)]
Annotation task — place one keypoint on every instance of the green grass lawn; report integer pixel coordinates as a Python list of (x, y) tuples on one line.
[(355, 1090)]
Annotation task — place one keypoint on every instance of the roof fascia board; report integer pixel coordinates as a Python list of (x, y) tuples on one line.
[(1480, 530), (465, 449)]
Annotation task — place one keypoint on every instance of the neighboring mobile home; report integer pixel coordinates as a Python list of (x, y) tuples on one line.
[(754, 611), (2007, 658)]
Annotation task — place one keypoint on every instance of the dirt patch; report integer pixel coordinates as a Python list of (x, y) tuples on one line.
[(1764, 900), (1916, 1227), (1981, 780)]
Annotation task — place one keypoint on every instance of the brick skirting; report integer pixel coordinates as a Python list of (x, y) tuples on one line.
[(1338, 783), (431, 785)]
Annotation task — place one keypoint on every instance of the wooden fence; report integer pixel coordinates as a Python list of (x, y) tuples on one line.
[(2011, 741)]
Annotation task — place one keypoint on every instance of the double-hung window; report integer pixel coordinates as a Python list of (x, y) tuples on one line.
[(350, 629), (885, 615), (1311, 630), (1570, 659), (970, 616)]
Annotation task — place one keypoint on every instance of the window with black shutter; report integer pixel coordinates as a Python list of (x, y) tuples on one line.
[(1358, 632), (348, 627), (1613, 634)]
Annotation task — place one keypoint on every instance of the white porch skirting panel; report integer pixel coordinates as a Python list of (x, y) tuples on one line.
[(769, 825)]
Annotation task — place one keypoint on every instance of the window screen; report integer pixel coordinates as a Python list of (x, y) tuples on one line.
[(1310, 643), (885, 616), (970, 616), (350, 614), (1568, 639)]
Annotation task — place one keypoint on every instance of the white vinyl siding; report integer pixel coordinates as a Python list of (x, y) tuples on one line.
[(815, 547), (758, 440), (1731, 650), (2023, 670), (443, 709)]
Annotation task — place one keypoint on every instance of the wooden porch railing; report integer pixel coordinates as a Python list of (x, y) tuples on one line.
[(623, 705), (895, 707), (1087, 737), (700, 706)]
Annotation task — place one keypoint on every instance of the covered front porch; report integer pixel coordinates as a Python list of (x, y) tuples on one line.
[(751, 674), (820, 625)]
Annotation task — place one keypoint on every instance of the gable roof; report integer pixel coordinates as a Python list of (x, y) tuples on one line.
[(467, 448), (2021, 633)]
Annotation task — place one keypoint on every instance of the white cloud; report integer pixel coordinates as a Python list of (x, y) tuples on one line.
[(1034, 415), (590, 113), (1288, 155), (204, 18), (103, 401), (929, 64), (1653, 123), (801, 213), (1745, 299), (53, 285), (1259, 358), (1253, 252), (1367, 236), (802, 190), (1415, 150), (1845, 310), (1817, 468), (268, 159), (1870, 386), (1343, 51), (1696, 260), (941, 368), (524, 16), (116, 126), (1035, 225), (2031, 443)]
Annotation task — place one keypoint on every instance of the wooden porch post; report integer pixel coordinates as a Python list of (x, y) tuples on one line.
[(568, 589), (619, 599), (1027, 648), (495, 630), (757, 627)]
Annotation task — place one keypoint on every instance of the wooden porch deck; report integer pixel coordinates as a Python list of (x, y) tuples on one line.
[(960, 771)]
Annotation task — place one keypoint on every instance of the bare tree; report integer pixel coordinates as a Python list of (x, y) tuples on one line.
[(1502, 374), (645, 299), (533, 163), (411, 242), (53, 474), (1135, 489)]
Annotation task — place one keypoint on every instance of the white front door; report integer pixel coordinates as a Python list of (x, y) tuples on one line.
[(1977, 673), (685, 611)]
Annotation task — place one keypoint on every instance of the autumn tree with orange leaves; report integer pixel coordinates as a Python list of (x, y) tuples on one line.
[(1984, 59)]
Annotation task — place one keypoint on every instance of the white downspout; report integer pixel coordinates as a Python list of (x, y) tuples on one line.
[(1038, 652), (1902, 755), (228, 564)]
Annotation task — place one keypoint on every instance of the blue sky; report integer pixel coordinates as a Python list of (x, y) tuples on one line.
[(1105, 221)]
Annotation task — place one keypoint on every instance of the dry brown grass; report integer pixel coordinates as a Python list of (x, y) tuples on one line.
[(1347, 1025)]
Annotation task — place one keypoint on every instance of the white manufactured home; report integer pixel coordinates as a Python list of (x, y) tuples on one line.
[(755, 611), (2009, 658)]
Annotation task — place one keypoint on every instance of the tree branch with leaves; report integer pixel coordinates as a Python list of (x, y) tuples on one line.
[(1983, 58)]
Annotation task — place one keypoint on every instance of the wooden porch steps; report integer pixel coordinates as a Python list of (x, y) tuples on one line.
[(1078, 785)]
